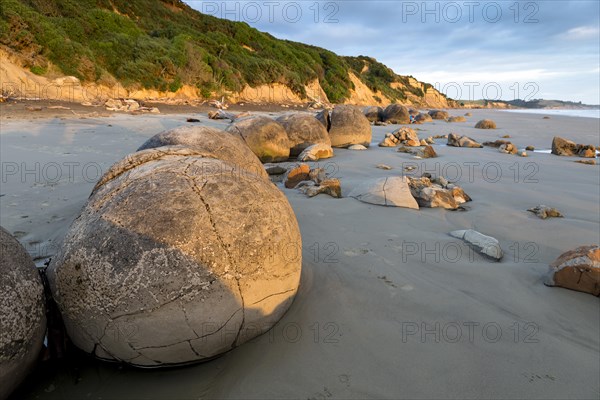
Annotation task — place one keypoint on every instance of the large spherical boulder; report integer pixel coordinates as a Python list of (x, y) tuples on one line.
[(373, 113), (439, 114), (396, 114), (303, 131), (265, 137), (210, 142), (22, 313), (176, 260), (349, 126)]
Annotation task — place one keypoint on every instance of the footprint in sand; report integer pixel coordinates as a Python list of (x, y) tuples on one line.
[(387, 281)]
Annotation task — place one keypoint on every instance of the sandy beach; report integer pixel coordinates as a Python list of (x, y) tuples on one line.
[(389, 305)]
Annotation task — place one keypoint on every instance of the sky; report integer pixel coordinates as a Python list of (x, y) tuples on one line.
[(467, 49)]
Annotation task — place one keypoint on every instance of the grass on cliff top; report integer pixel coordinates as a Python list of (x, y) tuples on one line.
[(164, 44)]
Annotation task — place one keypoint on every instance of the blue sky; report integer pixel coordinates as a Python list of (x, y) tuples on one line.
[(467, 49)]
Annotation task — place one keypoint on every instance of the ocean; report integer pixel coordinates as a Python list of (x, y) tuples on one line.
[(565, 112)]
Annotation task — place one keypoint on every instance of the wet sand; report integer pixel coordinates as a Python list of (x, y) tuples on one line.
[(389, 305)]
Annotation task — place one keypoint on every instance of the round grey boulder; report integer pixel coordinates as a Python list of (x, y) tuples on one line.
[(211, 142), (349, 126), (373, 113), (176, 260), (22, 313), (396, 114), (265, 137), (303, 131)]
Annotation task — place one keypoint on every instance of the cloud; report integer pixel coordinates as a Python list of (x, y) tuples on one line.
[(562, 46)]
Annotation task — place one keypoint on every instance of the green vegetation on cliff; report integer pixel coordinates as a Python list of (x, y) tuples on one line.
[(164, 44)]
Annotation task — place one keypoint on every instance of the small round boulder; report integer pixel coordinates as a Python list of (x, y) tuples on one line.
[(303, 131), (439, 114), (485, 124), (211, 142), (265, 137), (22, 313), (349, 126), (373, 113), (176, 260)]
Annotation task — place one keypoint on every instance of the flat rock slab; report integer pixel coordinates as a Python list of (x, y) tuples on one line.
[(392, 191), (486, 245)]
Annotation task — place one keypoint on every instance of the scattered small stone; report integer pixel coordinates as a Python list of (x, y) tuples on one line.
[(274, 169), (506, 137), (508, 148), (530, 148), (192, 120), (523, 154), (31, 108), (545, 212), (331, 187), (462, 141), (384, 167), (546, 117)]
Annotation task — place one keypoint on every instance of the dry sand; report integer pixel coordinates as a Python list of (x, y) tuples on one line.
[(389, 305)]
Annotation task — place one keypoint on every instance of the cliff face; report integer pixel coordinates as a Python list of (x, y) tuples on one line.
[(82, 50)]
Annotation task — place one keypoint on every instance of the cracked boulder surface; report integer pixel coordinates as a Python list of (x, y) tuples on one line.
[(577, 269), (392, 191), (175, 261), (265, 137), (211, 142), (349, 126), (303, 131), (22, 313)]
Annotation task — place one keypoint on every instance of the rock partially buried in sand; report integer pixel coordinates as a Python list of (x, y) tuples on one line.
[(396, 114), (22, 313), (485, 124), (265, 137), (439, 114), (544, 212), (331, 187), (297, 175), (426, 152), (462, 141), (457, 119), (303, 131), (423, 117), (210, 142), (349, 127), (392, 191), (486, 245), (577, 269), (316, 152), (587, 162), (171, 256), (384, 167), (357, 147)]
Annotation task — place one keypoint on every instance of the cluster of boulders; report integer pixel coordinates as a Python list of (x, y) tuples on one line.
[(564, 147), (302, 136), (128, 105), (179, 242), (392, 114), (409, 192), (312, 182)]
